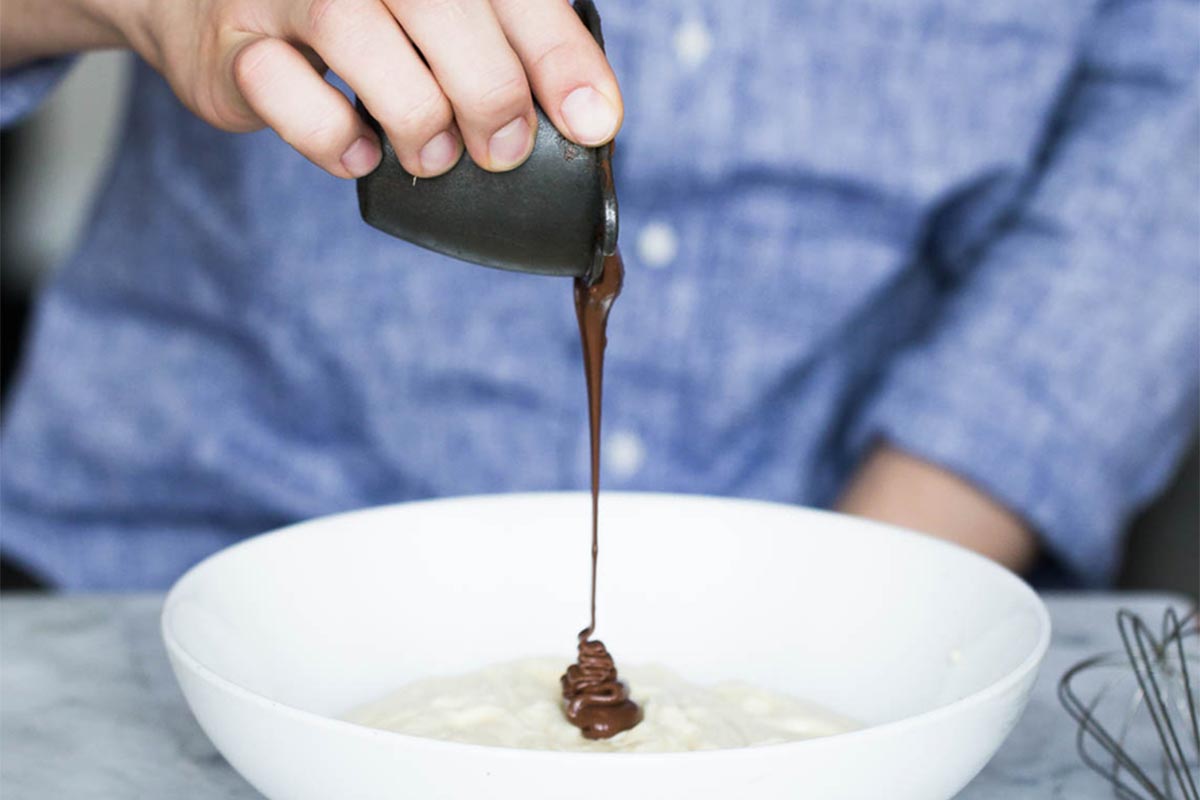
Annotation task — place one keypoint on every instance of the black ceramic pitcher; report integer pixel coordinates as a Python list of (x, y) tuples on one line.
[(556, 214)]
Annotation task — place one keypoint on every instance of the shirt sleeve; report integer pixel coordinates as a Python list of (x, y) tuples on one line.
[(1061, 374), (23, 88)]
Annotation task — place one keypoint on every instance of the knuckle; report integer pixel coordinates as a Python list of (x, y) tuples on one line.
[(324, 14), (324, 139), (506, 97), (446, 8), (250, 65), (554, 57), (427, 114)]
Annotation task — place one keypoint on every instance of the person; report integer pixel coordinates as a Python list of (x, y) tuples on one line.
[(934, 263)]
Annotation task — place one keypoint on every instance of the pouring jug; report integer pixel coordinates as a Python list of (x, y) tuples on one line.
[(556, 214)]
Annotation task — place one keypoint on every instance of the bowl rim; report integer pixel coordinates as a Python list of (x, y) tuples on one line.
[(1028, 665)]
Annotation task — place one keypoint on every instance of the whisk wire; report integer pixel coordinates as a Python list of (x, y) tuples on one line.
[(1160, 665), (1148, 664), (1181, 630), (1089, 725)]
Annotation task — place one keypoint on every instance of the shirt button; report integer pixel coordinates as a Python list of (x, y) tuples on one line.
[(657, 245), (693, 43), (624, 454)]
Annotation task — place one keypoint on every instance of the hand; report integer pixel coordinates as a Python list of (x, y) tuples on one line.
[(894, 487), (243, 64)]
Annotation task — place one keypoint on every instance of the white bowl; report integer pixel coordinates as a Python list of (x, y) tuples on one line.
[(933, 648)]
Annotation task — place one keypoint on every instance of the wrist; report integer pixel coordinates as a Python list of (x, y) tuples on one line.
[(33, 29), (894, 487), (117, 23)]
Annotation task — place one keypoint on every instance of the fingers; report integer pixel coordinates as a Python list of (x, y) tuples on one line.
[(283, 89), (361, 41), (570, 75), (467, 85), (479, 73)]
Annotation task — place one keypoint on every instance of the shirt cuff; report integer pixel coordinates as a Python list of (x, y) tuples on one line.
[(23, 88), (986, 429)]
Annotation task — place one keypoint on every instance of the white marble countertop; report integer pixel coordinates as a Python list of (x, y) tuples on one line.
[(89, 708)]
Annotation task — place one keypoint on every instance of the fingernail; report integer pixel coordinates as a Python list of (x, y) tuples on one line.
[(361, 157), (439, 154), (589, 115), (511, 144)]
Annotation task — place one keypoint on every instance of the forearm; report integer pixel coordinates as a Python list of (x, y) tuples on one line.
[(33, 29), (894, 487)]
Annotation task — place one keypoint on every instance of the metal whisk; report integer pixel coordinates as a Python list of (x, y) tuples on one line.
[(1139, 728)]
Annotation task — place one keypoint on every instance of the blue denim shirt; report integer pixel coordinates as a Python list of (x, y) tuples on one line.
[(969, 228)]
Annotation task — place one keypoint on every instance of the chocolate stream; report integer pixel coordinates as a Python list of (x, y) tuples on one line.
[(594, 699)]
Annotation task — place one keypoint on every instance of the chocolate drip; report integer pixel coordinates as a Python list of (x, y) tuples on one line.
[(594, 699), (592, 304)]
